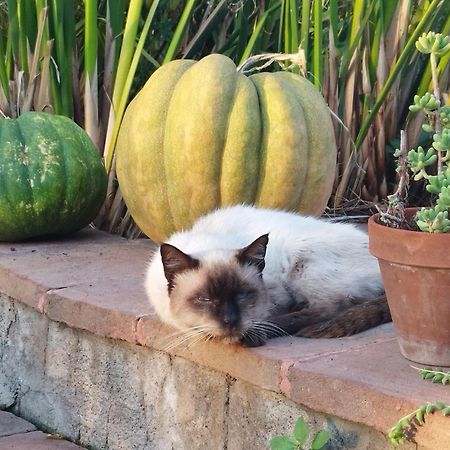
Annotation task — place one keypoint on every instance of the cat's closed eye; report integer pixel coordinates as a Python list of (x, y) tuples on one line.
[(242, 297), (246, 298)]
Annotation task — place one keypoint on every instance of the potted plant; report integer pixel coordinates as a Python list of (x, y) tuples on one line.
[(413, 245)]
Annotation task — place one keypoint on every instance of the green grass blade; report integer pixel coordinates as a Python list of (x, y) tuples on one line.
[(150, 59), (304, 35), (317, 45), (240, 36), (28, 22), (30, 91), (267, 41), (291, 39), (179, 31), (90, 38), (354, 43), (23, 47), (40, 5), (358, 8), (4, 79), (120, 110), (116, 14), (60, 13), (379, 32), (281, 26), (127, 49), (257, 32), (12, 44), (205, 29), (398, 66), (90, 66), (334, 18)]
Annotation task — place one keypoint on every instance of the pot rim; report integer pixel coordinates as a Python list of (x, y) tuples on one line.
[(406, 247), (374, 222)]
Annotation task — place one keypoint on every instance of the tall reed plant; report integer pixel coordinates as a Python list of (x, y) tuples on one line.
[(85, 59)]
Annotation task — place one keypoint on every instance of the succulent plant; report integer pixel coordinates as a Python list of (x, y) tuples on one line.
[(420, 160)]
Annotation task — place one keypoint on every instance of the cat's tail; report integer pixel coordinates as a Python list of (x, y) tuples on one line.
[(318, 323)]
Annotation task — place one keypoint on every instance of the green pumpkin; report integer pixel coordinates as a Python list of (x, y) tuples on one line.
[(52, 181), (200, 135)]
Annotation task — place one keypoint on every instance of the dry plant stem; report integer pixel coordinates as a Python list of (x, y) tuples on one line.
[(402, 188), (33, 75), (434, 371), (394, 216)]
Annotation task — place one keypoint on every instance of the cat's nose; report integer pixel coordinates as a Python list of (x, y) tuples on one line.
[(231, 320)]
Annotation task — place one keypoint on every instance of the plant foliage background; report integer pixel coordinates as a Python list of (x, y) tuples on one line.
[(86, 59)]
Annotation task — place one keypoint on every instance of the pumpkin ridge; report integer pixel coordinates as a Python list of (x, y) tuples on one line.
[(83, 141), (140, 120), (262, 155), (306, 157), (197, 108), (3, 185), (63, 160), (318, 185), (27, 171), (260, 142), (164, 133), (225, 135), (284, 124), (257, 156)]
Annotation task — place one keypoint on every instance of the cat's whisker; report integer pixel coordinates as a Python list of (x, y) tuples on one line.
[(203, 337), (268, 328), (267, 322), (176, 338), (252, 335), (187, 335), (180, 342)]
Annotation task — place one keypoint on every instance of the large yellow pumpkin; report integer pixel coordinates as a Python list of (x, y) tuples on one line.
[(200, 135)]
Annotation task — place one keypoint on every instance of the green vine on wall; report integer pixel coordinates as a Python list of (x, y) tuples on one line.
[(405, 429)]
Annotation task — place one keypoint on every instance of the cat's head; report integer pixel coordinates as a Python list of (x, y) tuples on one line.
[(222, 291)]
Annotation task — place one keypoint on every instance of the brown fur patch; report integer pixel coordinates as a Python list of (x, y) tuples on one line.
[(358, 316)]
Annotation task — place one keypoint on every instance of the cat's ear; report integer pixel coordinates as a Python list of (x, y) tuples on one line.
[(254, 253), (174, 262)]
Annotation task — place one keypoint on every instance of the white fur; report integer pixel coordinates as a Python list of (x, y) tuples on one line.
[(324, 261)]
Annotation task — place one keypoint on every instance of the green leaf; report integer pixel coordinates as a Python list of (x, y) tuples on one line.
[(283, 443), (430, 408), (301, 430), (320, 439), (405, 423), (420, 416), (437, 378)]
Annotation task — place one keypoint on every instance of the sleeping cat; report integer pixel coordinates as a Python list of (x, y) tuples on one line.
[(245, 274)]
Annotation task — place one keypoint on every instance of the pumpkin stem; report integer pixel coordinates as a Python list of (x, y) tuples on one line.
[(297, 60)]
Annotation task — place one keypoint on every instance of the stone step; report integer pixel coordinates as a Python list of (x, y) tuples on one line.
[(83, 354), (18, 434)]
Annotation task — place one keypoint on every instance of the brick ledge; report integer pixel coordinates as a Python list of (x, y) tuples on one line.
[(94, 281)]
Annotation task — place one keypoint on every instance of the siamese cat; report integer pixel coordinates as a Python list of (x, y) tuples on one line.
[(245, 274)]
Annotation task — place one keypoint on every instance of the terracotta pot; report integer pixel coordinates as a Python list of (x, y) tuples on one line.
[(415, 267)]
